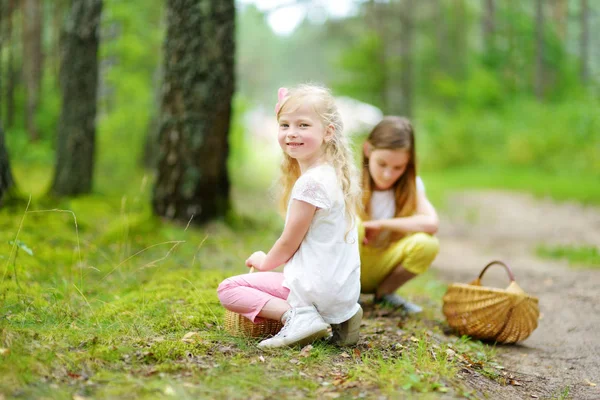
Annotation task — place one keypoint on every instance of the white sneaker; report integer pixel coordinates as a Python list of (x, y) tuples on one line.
[(304, 325)]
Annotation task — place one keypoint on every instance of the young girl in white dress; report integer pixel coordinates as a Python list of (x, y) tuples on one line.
[(320, 284)]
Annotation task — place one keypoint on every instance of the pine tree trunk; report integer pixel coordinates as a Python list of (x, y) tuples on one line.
[(6, 179), (32, 61), (79, 85), (198, 87)]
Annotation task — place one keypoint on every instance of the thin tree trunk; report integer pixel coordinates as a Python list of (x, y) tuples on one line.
[(560, 12), (584, 50), (6, 178), (539, 54), (79, 85), (489, 26), (32, 61), (192, 179)]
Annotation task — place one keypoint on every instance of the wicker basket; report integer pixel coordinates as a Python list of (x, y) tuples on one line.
[(502, 315), (238, 325)]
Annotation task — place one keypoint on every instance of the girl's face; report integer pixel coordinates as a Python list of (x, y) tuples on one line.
[(386, 166), (301, 134)]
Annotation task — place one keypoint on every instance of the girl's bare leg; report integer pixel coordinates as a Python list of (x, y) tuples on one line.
[(274, 309)]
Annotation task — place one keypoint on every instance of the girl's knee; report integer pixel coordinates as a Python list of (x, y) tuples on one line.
[(425, 243), (226, 285), (422, 250)]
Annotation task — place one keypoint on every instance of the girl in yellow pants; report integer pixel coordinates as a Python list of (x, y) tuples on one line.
[(398, 221)]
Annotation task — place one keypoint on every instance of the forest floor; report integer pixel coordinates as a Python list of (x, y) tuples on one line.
[(561, 359), (125, 306)]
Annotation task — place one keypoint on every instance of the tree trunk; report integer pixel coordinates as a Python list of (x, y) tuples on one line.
[(584, 49), (560, 12), (32, 61), (6, 179), (489, 26), (539, 53), (79, 85), (198, 87)]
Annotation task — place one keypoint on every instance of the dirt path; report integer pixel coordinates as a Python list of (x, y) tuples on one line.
[(563, 355)]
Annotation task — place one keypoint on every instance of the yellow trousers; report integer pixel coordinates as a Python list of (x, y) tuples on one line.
[(414, 252)]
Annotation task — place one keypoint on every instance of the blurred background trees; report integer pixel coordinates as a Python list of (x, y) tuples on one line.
[(489, 83)]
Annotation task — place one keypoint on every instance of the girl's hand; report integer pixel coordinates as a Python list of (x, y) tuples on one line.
[(372, 229), (256, 260)]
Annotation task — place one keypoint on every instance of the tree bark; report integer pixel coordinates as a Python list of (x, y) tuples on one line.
[(79, 85), (32, 61), (584, 49), (6, 178), (192, 179), (539, 53)]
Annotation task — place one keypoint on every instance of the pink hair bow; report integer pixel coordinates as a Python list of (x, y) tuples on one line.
[(281, 93)]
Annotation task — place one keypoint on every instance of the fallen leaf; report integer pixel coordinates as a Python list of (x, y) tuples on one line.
[(305, 352), (4, 352), (414, 339), (356, 352), (589, 383), (191, 337), (514, 382), (75, 397), (450, 353), (332, 395), (345, 355), (534, 396), (261, 359)]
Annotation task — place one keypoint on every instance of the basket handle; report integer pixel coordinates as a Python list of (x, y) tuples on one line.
[(506, 267), (251, 270)]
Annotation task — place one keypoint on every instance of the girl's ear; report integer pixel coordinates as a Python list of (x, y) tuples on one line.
[(329, 133), (367, 148)]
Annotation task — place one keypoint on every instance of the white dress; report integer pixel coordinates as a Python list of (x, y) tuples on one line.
[(325, 270)]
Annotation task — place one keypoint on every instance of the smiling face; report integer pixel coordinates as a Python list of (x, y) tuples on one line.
[(386, 166), (301, 134)]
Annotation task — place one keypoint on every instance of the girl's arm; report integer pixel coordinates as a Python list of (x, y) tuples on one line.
[(425, 219), (299, 218)]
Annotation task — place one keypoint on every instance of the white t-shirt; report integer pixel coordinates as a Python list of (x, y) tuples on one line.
[(383, 206), (383, 202), (325, 270)]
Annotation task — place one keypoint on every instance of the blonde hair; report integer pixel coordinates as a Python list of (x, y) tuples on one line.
[(337, 150), (392, 133)]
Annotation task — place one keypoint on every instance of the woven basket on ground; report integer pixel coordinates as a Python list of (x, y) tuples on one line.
[(502, 315), (238, 325)]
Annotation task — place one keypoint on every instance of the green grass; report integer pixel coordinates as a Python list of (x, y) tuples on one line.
[(99, 308), (96, 296), (587, 256)]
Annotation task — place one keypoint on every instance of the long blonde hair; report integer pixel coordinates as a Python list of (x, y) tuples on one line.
[(392, 133), (337, 150)]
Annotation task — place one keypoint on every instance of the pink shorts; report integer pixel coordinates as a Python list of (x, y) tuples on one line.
[(247, 294)]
